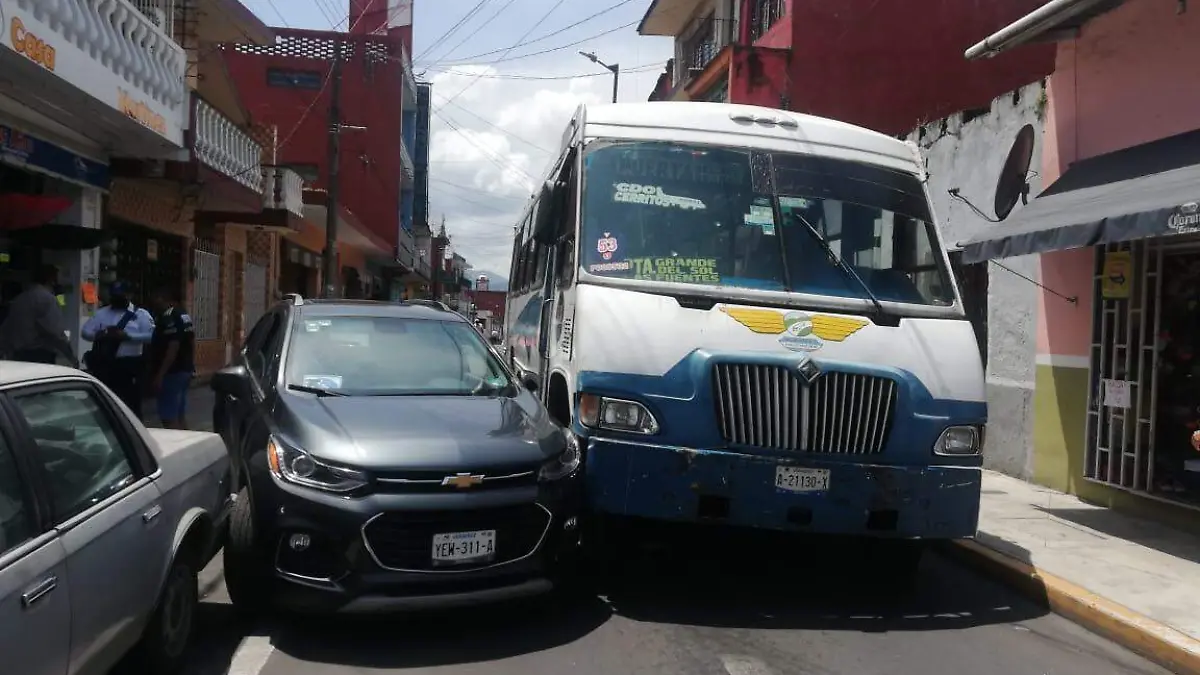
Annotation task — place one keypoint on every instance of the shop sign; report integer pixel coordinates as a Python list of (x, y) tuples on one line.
[(1117, 276), (20, 149), (30, 45), (138, 111)]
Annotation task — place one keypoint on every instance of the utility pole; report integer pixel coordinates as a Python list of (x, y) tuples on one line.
[(615, 69), (329, 260)]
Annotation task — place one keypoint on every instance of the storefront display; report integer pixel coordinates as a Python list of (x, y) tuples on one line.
[(1178, 381)]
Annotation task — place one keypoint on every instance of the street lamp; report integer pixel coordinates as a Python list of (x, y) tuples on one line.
[(614, 69)]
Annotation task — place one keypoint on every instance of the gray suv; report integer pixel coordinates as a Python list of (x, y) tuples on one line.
[(387, 460)]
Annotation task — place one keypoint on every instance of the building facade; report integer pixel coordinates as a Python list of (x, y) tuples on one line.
[(135, 160), (288, 85), (888, 66), (1116, 236)]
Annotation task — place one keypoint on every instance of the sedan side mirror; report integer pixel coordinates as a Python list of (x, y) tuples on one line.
[(232, 381)]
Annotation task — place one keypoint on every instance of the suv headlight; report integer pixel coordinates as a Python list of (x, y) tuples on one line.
[(958, 441), (296, 466), (566, 462), (601, 412)]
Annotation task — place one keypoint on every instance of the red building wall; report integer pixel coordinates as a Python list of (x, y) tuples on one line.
[(891, 65), (371, 97), (492, 301)]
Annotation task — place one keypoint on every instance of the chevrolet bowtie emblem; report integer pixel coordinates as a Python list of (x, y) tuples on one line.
[(462, 480)]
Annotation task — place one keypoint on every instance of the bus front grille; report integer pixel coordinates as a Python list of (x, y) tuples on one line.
[(772, 407)]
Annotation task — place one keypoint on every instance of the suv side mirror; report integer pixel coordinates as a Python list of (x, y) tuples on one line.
[(232, 381), (529, 382)]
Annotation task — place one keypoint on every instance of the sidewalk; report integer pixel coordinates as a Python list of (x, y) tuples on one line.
[(199, 412), (1131, 580)]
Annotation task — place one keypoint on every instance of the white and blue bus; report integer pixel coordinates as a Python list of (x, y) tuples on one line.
[(748, 316)]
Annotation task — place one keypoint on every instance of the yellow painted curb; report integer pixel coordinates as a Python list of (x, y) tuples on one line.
[(1160, 643)]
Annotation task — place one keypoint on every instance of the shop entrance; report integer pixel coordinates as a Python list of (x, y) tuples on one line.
[(145, 259), (1144, 400)]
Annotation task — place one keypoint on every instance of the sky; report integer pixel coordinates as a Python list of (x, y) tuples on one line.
[(493, 123)]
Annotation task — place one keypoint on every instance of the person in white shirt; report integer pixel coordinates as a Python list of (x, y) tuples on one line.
[(118, 332)]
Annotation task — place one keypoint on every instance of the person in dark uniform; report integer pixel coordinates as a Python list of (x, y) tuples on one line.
[(172, 357)]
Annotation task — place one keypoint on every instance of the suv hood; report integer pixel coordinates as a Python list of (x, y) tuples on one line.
[(422, 432)]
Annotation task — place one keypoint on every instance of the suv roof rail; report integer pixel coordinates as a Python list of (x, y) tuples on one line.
[(294, 298), (435, 304)]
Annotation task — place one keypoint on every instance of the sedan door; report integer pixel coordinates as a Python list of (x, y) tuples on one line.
[(107, 512), (35, 607)]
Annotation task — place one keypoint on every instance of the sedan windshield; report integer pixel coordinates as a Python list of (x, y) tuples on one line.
[(388, 356), (732, 218)]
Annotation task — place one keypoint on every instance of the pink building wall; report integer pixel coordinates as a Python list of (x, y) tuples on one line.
[(1133, 76)]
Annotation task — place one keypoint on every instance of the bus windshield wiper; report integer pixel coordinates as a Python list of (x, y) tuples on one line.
[(838, 261)]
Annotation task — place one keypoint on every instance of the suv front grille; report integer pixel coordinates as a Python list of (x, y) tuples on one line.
[(771, 407), (403, 540)]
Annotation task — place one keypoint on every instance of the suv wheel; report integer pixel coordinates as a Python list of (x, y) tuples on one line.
[(247, 573), (164, 646)]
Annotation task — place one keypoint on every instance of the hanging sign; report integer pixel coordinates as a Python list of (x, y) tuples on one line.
[(1117, 275), (1116, 393)]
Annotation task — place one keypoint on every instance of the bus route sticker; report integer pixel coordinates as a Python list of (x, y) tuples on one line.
[(798, 333), (606, 246)]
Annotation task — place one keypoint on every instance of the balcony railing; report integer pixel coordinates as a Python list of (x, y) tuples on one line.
[(160, 12), (765, 14), (283, 190), (123, 39), (223, 146), (704, 40)]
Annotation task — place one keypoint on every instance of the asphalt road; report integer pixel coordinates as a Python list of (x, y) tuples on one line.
[(705, 606)]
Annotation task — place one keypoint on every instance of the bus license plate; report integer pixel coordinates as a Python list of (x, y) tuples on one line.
[(797, 479), (458, 548)]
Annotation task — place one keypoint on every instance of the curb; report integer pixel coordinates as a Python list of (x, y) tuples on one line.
[(1157, 642)]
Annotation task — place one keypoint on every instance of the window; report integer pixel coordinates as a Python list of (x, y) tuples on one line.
[(78, 446), (16, 514), (764, 14), (207, 295), (676, 213), (294, 79), (260, 345), (388, 356)]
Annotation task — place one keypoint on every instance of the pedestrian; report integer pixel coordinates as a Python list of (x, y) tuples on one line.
[(118, 332), (172, 357), (34, 328)]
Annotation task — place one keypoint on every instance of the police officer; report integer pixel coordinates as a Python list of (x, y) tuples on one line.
[(118, 332)]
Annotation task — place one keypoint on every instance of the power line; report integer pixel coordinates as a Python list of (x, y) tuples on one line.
[(478, 28), (501, 130), (458, 24), (560, 47), (531, 29), (498, 161), (547, 35)]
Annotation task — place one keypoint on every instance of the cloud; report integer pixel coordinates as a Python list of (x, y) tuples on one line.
[(492, 143)]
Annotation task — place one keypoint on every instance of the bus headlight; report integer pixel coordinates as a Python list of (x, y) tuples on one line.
[(958, 441), (601, 412)]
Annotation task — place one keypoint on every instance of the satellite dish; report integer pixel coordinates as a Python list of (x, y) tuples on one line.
[(1012, 184)]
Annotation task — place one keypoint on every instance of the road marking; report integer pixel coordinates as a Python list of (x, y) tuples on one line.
[(251, 655), (744, 665)]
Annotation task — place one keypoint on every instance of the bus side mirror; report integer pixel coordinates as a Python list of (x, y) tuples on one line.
[(546, 220)]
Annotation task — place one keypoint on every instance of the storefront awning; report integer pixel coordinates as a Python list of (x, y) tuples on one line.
[(1145, 191)]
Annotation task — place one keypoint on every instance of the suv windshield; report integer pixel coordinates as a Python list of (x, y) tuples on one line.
[(388, 356), (726, 217)]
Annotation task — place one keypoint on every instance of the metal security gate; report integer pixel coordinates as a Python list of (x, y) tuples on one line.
[(254, 299), (206, 295), (1123, 385)]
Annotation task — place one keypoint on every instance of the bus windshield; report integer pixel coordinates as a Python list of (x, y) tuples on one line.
[(728, 217)]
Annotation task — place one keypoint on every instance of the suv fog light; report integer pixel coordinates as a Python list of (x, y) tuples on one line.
[(299, 542)]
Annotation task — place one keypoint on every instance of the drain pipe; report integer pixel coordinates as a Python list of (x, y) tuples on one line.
[(1029, 26)]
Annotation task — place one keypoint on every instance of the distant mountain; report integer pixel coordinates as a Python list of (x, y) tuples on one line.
[(495, 281)]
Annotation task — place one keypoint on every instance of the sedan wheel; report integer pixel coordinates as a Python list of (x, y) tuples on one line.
[(164, 646)]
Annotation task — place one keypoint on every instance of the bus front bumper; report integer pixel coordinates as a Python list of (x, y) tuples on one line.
[(685, 484)]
